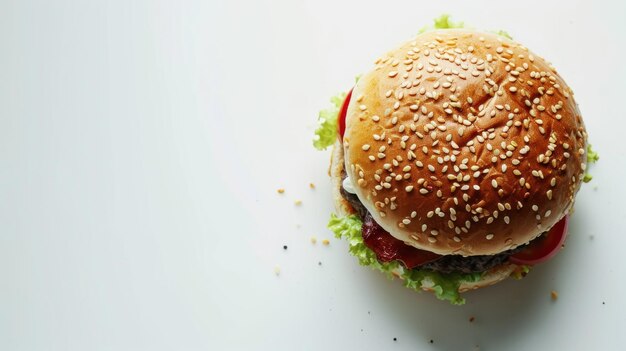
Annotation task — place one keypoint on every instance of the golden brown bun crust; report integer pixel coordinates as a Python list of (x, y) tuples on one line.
[(462, 142)]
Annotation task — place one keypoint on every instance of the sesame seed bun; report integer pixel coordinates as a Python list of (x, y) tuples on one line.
[(343, 208), (463, 142)]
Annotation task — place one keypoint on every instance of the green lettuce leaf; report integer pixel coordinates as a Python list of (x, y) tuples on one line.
[(442, 22), (445, 286), (504, 34), (349, 228), (592, 157), (521, 272), (327, 130)]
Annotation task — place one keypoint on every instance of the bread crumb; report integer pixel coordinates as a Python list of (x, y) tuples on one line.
[(280, 191), (471, 319), (298, 202), (313, 240), (277, 270), (554, 295), (326, 242), (311, 185)]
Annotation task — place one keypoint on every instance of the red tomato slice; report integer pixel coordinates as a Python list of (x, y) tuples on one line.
[(342, 114), (545, 247)]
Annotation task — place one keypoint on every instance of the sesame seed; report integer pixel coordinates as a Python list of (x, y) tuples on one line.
[(393, 74), (494, 183), (365, 147), (409, 188), (507, 220), (489, 236)]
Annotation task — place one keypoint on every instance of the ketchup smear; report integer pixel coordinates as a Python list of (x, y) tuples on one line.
[(388, 248)]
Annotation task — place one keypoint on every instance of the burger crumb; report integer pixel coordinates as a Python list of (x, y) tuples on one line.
[(280, 191), (311, 185), (554, 295), (432, 341), (319, 263), (313, 240), (297, 202), (603, 303), (395, 339), (284, 247), (326, 242), (471, 319), (277, 270)]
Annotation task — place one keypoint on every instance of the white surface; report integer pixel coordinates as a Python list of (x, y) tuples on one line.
[(142, 143)]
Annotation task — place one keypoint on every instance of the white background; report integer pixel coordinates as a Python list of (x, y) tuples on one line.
[(142, 143)]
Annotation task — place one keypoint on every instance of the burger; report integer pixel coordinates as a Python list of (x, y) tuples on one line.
[(456, 161)]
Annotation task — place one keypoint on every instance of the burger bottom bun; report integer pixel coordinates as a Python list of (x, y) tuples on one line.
[(344, 208)]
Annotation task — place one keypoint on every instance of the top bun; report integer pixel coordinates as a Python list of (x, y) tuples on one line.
[(463, 142)]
